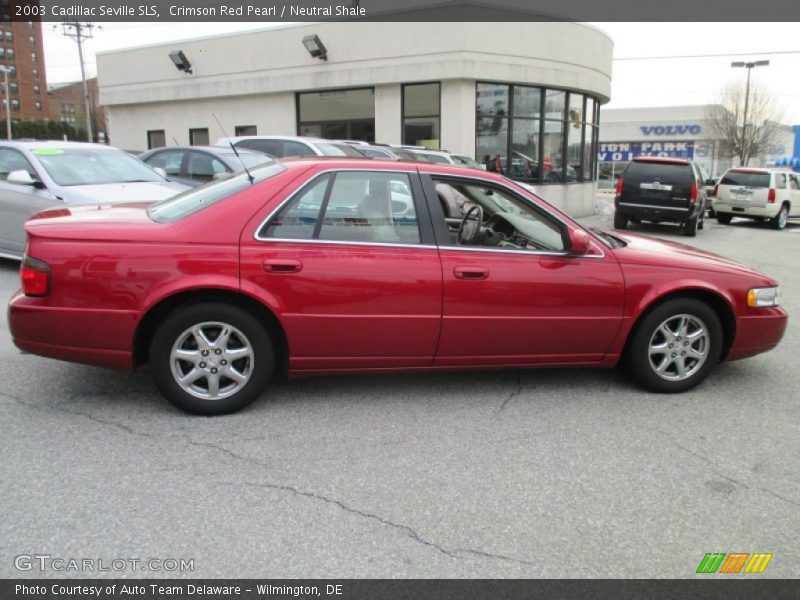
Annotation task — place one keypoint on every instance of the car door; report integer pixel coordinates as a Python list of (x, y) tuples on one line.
[(19, 202), (508, 303), (354, 273)]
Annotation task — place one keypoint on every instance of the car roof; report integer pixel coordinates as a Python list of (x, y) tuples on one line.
[(293, 138), (757, 170), (384, 164), (213, 149), (56, 144), (664, 160)]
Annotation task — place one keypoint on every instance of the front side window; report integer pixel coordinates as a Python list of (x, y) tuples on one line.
[(169, 160), (496, 218), (202, 166), (376, 207), (14, 160)]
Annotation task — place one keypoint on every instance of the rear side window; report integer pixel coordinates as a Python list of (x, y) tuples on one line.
[(376, 207), (273, 147), (780, 181), (641, 172), (745, 179)]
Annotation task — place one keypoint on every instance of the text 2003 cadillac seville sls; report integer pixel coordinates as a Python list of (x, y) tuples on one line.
[(350, 265)]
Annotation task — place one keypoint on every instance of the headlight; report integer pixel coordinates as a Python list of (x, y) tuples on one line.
[(761, 297)]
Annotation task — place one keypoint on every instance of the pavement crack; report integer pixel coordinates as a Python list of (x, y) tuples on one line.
[(405, 530), (58, 408), (514, 394), (230, 453)]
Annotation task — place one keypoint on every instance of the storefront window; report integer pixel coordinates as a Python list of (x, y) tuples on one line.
[(421, 114), (535, 134), (337, 114)]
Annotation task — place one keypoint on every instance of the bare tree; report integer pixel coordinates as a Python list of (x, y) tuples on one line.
[(727, 120)]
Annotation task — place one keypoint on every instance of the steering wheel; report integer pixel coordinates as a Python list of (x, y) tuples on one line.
[(470, 229)]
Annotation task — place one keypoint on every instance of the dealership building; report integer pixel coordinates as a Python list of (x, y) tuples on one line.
[(676, 132), (526, 92)]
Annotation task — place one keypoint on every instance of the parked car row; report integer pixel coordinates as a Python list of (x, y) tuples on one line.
[(674, 190)]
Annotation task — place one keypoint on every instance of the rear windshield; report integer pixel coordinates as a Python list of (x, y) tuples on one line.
[(638, 172), (745, 179), (337, 149), (196, 199)]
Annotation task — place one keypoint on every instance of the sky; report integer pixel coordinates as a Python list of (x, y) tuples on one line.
[(669, 81)]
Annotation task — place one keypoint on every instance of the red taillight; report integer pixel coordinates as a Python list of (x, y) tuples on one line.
[(35, 276), (771, 196), (715, 190), (619, 186), (693, 192)]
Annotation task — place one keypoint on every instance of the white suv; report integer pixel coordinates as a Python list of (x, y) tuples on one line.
[(764, 194)]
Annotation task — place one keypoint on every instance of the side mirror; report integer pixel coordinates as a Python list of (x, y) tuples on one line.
[(160, 171), (578, 242), (21, 177)]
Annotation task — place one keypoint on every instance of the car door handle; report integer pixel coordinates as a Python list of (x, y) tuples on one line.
[(474, 273), (282, 266)]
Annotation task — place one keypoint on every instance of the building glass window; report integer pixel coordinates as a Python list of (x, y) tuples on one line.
[(12, 71), (68, 112), (32, 40), (10, 53), (198, 137), (2, 52), (421, 114), (491, 124), (9, 35), (37, 89), (575, 120), (245, 130), (35, 73), (38, 105), (347, 114), (14, 104), (156, 139), (34, 57), (13, 88)]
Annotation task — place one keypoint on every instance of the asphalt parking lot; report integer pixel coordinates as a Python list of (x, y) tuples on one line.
[(543, 473)]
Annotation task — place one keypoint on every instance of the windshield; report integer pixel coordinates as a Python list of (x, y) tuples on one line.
[(337, 149), (196, 199), (93, 166)]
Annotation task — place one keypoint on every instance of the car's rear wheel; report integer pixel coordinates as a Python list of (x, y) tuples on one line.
[(675, 346), (779, 220), (620, 220), (690, 227), (211, 358), (724, 218)]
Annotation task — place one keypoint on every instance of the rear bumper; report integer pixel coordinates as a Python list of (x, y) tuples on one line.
[(758, 333), (656, 213), (93, 337), (742, 209)]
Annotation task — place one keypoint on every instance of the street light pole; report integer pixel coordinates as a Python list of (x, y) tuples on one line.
[(6, 71), (749, 66)]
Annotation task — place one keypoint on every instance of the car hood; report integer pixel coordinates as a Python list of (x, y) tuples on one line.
[(645, 250), (105, 193)]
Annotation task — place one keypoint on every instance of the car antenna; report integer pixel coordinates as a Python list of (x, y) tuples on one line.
[(246, 170), (176, 141)]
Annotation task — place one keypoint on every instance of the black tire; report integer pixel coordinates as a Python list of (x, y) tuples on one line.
[(690, 227), (637, 361), (246, 332), (779, 220), (724, 218), (620, 220), (635, 220)]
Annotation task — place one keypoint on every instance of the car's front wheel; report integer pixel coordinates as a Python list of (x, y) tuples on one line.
[(690, 227), (211, 358), (675, 346)]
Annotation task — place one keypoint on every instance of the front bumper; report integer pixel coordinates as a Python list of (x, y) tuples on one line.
[(758, 332)]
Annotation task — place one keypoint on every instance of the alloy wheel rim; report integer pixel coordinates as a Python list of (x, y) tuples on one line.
[(782, 218), (679, 347), (212, 360)]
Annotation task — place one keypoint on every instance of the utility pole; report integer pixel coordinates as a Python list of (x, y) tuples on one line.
[(749, 66), (79, 32)]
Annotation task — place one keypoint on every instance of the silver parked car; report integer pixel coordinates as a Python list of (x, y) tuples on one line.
[(35, 176)]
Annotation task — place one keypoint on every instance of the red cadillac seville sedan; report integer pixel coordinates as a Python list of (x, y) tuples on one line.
[(350, 265)]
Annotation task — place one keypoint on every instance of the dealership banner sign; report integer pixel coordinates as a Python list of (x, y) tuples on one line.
[(627, 151)]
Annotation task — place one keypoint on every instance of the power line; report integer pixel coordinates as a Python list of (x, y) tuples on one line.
[(708, 55)]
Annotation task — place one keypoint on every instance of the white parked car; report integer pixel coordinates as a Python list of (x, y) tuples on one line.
[(764, 194), (35, 176), (282, 146)]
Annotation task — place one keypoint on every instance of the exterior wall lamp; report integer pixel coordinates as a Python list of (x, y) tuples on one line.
[(181, 62), (315, 46)]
